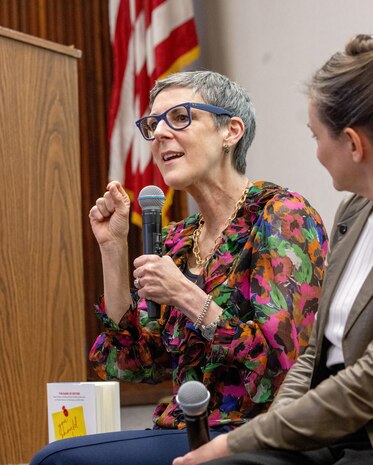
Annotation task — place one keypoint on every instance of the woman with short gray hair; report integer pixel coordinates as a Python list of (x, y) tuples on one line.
[(237, 285)]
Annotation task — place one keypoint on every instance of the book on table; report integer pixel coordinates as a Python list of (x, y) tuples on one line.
[(78, 409)]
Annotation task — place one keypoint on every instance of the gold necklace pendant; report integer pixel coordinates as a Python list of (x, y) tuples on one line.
[(201, 262)]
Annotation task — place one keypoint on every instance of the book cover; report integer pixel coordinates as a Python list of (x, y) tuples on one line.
[(78, 409)]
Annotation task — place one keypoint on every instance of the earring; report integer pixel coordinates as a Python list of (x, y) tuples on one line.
[(226, 148)]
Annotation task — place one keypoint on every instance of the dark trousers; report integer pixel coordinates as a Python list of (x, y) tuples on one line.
[(148, 447), (319, 457), (353, 452)]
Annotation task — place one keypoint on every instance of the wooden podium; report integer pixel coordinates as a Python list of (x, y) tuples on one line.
[(42, 334)]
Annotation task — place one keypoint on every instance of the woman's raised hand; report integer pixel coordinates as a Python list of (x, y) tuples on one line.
[(110, 216)]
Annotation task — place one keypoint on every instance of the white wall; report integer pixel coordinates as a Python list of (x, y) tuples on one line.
[(272, 47)]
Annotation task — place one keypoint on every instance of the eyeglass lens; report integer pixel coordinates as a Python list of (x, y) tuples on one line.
[(177, 118)]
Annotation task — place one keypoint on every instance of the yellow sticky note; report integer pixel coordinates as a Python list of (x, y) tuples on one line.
[(70, 425)]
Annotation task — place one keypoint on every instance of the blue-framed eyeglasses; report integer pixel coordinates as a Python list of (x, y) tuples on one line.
[(177, 117)]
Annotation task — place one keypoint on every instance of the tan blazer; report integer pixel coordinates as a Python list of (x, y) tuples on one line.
[(307, 413)]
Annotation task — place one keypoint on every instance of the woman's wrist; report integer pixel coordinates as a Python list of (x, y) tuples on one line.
[(208, 330), (116, 285), (114, 248), (200, 308), (201, 317)]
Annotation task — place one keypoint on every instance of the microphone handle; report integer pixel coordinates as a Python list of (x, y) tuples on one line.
[(197, 429), (153, 309), (152, 244)]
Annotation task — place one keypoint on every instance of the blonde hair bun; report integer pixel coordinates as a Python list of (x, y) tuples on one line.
[(361, 43)]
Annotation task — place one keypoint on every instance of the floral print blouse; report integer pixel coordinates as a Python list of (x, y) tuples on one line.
[(266, 276)]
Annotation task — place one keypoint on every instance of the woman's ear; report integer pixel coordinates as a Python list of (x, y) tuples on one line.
[(235, 131), (356, 140)]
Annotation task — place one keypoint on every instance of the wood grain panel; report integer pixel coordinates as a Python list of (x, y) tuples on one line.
[(41, 269)]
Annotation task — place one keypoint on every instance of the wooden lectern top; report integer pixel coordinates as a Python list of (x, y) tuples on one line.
[(38, 42)]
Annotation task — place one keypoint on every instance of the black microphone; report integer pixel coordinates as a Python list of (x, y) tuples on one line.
[(193, 399), (151, 200)]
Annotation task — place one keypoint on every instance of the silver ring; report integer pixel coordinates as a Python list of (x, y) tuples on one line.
[(136, 283)]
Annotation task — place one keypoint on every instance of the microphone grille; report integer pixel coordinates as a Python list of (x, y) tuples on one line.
[(193, 397), (151, 197)]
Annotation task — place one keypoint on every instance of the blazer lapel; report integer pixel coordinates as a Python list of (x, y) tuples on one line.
[(362, 299), (347, 233)]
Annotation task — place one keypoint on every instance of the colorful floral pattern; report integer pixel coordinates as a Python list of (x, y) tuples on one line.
[(266, 275)]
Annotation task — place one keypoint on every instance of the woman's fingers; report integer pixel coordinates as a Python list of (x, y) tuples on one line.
[(117, 198), (157, 278), (105, 206)]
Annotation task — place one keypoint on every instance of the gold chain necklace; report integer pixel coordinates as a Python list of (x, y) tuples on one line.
[(197, 232)]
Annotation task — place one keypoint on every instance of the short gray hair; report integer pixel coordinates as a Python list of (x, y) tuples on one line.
[(217, 89)]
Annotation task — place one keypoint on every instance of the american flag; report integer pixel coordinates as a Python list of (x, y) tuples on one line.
[(150, 39)]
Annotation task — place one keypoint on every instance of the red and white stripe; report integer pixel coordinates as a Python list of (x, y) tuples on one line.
[(151, 38)]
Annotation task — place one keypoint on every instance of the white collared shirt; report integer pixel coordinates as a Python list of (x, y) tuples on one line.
[(357, 269)]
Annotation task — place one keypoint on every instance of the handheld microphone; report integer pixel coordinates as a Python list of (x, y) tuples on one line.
[(193, 399), (151, 200)]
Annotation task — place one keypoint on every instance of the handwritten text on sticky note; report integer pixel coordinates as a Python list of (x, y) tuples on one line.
[(69, 425)]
